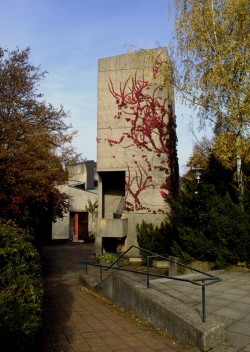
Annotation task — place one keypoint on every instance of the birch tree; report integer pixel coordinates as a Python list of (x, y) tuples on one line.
[(212, 66)]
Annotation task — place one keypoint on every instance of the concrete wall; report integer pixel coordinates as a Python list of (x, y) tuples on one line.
[(82, 173), (114, 227), (60, 228), (111, 203), (77, 203), (142, 167), (79, 174), (163, 311)]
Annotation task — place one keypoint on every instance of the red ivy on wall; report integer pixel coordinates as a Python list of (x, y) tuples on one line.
[(152, 129), (141, 180)]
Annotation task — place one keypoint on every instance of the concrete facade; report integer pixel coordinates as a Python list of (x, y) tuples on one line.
[(78, 223), (163, 311), (136, 158)]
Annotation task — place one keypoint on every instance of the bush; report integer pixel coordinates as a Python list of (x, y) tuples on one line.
[(210, 226), (21, 291), (152, 238), (108, 258), (203, 225)]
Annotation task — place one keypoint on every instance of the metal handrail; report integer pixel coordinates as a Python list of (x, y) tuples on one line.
[(203, 281)]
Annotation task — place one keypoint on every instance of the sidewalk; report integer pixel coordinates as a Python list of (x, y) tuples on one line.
[(78, 320), (228, 300)]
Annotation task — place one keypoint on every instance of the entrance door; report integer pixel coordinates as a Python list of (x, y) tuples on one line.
[(80, 225)]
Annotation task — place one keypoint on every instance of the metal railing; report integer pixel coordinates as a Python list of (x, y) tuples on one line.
[(207, 278)]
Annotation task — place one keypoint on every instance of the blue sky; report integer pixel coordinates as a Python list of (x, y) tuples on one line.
[(68, 37)]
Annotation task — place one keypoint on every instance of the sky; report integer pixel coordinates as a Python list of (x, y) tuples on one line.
[(67, 38)]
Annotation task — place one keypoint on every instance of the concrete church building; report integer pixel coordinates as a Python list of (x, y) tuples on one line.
[(78, 224), (137, 163)]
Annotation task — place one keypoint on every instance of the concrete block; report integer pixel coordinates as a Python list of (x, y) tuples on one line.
[(135, 260), (161, 264), (163, 311)]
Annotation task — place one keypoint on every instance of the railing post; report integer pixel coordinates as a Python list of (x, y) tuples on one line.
[(147, 279), (148, 271), (203, 302), (100, 272), (86, 268)]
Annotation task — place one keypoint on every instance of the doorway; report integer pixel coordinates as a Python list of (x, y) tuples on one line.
[(80, 225)]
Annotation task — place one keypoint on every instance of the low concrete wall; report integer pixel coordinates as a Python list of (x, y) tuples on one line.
[(163, 311)]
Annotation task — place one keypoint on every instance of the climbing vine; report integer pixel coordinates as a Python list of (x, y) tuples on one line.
[(152, 129), (135, 185)]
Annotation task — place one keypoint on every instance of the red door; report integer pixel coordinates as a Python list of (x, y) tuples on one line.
[(82, 226)]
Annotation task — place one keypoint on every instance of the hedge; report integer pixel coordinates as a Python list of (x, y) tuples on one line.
[(21, 291)]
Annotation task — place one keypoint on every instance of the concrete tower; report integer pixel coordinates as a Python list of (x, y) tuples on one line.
[(136, 145)]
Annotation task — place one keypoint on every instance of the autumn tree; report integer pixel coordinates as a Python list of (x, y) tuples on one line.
[(212, 67), (218, 171), (34, 144), (213, 45)]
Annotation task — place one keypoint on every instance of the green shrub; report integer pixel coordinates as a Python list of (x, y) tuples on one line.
[(21, 291), (210, 226), (152, 238), (108, 258)]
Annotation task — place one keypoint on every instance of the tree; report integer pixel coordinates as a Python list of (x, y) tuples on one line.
[(34, 144), (207, 223), (213, 53), (213, 41)]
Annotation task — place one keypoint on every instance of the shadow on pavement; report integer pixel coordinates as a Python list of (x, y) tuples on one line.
[(61, 267)]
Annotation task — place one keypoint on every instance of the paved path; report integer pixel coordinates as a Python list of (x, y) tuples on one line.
[(228, 300), (78, 320)]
